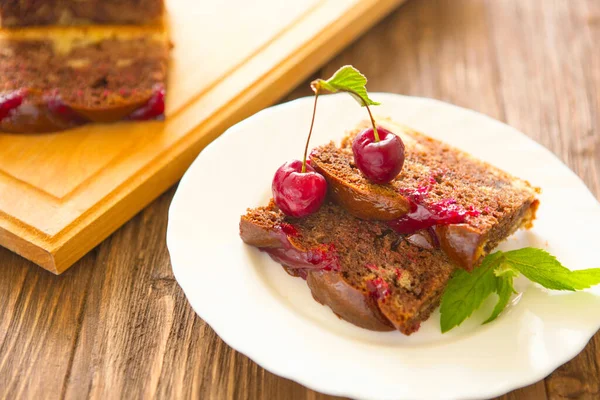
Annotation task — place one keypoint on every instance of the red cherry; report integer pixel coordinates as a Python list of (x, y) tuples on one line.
[(10, 101), (379, 161), (298, 193), (154, 108)]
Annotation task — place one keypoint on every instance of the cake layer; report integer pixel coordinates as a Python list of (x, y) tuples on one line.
[(365, 272), (56, 78), (19, 13), (468, 206)]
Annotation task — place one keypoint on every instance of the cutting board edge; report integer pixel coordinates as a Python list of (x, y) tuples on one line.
[(31, 247)]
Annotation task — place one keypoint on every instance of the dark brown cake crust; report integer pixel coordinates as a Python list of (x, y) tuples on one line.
[(53, 84), (365, 272), (19, 13), (495, 203), (329, 288), (374, 202)]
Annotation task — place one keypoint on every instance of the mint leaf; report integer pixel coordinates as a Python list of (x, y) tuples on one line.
[(542, 267), (346, 79), (505, 289), (466, 291)]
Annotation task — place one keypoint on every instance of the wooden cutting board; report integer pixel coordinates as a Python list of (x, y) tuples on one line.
[(62, 194)]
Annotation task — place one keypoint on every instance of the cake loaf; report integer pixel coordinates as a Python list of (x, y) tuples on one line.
[(56, 78), (467, 206), (365, 272), (19, 13)]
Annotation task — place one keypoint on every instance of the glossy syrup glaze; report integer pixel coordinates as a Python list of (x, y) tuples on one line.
[(425, 215), (28, 111), (421, 217), (296, 259), (154, 108), (57, 107)]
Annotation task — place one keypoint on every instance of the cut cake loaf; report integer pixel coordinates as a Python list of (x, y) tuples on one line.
[(55, 78), (468, 206), (365, 272), (20, 13)]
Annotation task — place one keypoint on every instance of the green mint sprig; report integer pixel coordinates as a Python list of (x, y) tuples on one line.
[(466, 291), (348, 79)]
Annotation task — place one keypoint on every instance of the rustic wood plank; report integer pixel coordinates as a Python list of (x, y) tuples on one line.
[(124, 328), (40, 317), (440, 49), (536, 391)]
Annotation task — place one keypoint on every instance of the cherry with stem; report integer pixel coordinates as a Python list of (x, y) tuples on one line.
[(378, 153), (298, 190)]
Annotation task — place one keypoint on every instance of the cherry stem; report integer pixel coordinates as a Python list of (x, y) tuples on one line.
[(373, 123), (312, 123), (375, 133)]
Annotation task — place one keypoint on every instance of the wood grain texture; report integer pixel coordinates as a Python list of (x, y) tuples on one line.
[(62, 194), (118, 326)]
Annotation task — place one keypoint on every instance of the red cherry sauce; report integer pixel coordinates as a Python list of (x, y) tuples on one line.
[(443, 212), (10, 101), (321, 257), (426, 216), (289, 229), (378, 288), (154, 108)]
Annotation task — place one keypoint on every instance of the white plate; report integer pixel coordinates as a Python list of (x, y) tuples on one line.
[(271, 317)]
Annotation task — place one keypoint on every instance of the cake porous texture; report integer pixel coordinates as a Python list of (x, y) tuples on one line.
[(467, 206)]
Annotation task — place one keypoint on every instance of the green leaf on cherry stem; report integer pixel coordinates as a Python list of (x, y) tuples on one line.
[(347, 79)]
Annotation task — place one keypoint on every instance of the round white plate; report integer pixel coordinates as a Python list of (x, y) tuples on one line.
[(271, 317)]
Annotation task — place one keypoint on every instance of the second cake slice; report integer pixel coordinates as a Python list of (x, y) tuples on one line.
[(443, 196)]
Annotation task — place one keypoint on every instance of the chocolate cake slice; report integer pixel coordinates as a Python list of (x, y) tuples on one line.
[(468, 206), (56, 78), (365, 272), (19, 13)]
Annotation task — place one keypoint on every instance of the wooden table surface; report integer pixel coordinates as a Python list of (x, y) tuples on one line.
[(117, 325)]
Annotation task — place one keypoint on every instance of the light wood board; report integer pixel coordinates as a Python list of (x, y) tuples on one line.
[(62, 194)]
